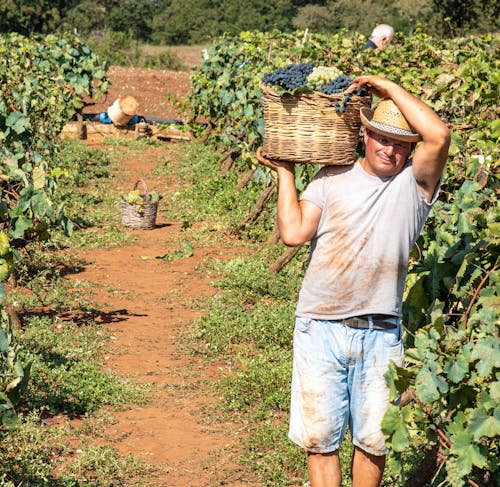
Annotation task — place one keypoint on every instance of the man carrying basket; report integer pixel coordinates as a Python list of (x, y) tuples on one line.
[(363, 220)]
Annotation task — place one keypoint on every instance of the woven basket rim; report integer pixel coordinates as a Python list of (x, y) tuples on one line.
[(266, 89)]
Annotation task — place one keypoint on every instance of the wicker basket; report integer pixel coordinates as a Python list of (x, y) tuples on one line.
[(306, 128), (141, 217)]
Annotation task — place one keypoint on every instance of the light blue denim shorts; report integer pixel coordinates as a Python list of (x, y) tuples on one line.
[(338, 381)]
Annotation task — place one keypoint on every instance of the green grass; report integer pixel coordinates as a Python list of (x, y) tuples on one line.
[(206, 195), (67, 370), (84, 188), (40, 456), (249, 326)]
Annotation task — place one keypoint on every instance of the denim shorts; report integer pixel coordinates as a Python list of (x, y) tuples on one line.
[(338, 381)]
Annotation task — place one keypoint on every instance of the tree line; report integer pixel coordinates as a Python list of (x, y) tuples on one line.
[(174, 22)]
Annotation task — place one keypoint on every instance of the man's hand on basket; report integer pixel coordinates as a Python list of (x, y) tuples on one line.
[(274, 164), (375, 85)]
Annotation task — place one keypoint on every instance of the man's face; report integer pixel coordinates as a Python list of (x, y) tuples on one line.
[(384, 157)]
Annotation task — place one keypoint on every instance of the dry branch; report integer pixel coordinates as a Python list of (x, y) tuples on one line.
[(275, 235), (245, 179), (207, 133), (407, 397), (284, 259), (265, 196), (227, 161)]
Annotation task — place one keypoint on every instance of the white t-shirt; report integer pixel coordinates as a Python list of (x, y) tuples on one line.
[(359, 256)]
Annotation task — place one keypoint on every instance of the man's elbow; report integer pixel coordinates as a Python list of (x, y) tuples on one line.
[(443, 136), (293, 239), (438, 141), (292, 242)]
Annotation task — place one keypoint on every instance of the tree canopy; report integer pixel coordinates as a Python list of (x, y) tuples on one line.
[(195, 21)]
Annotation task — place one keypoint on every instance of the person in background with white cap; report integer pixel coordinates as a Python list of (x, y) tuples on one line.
[(362, 220), (381, 36)]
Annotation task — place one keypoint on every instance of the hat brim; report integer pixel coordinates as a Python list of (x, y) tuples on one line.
[(366, 115)]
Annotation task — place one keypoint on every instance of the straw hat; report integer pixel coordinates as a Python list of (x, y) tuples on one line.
[(388, 120)]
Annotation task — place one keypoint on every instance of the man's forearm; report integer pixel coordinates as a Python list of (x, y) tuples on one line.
[(289, 213)]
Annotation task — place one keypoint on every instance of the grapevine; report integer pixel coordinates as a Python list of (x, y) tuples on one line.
[(43, 82)]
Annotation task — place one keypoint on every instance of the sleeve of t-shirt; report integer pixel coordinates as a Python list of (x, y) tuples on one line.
[(421, 197), (419, 208)]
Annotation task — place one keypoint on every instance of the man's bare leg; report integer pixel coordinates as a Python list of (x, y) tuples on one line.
[(367, 469), (324, 469)]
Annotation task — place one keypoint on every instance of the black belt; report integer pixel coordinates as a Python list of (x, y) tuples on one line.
[(380, 322)]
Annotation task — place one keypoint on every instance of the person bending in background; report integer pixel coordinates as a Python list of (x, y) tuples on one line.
[(362, 220), (381, 36)]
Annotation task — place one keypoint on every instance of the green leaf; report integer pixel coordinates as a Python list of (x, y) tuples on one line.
[(38, 177), (4, 341), (20, 226), (483, 424), (429, 385), (487, 352), (495, 128), (457, 368), (398, 379), (458, 424), (9, 418), (394, 428), (18, 122), (3, 293), (495, 391), (467, 453)]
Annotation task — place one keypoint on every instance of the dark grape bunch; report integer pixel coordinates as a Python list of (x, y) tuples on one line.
[(338, 85), (289, 77)]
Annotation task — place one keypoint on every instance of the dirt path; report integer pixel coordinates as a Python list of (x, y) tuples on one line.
[(150, 302)]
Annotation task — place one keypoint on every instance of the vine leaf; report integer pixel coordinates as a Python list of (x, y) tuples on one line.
[(18, 122), (495, 391), (487, 351), (429, 385), (21, 225), (38, 177), (467, 452), (457, 369), (393, 426), (482, 424), (4, 341)]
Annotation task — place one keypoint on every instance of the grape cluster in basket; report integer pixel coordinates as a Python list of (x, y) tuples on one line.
[(325, 79), (289, 77)]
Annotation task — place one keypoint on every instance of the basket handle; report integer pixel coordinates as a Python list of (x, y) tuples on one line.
[(144, 186)]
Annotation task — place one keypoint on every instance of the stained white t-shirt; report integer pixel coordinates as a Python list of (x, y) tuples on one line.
[(359, 256)]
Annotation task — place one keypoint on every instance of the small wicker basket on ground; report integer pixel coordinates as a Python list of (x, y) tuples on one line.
[(143, 216), (306, 128)]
